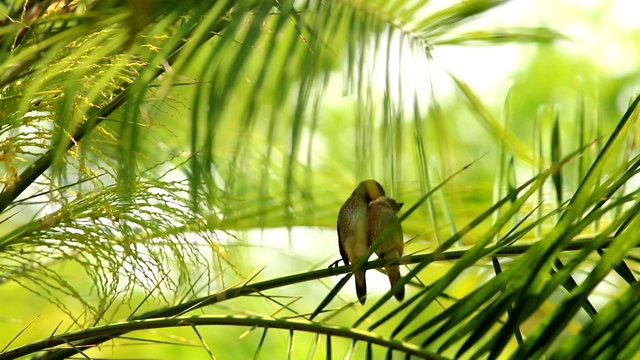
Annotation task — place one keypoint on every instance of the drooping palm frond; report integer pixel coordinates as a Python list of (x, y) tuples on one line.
[(136, 132)]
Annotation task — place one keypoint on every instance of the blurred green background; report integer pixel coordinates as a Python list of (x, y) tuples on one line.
[(519, 83)]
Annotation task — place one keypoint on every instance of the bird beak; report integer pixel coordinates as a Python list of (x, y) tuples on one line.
[(400, 206)]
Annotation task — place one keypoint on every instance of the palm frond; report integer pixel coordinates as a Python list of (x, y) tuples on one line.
[(140, 137)]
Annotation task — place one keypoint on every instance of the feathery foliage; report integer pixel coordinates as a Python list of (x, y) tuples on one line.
[(143, 142)]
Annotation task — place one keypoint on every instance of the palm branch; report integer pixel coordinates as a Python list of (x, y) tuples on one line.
[(143, 140)]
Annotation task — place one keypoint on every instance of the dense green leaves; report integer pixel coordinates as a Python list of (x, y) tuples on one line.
[(141, 138)]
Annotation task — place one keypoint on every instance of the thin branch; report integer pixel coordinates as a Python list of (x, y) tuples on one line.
[(114, 330), (247, 289), (33, 172)]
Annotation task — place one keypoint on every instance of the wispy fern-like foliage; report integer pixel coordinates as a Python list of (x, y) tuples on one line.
[(138, 138)]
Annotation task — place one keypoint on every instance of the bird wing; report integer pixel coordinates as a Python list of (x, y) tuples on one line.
[(394, 242), (343, 234), (343, 253)]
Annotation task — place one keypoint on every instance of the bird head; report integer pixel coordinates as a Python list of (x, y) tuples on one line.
[(369, 190)]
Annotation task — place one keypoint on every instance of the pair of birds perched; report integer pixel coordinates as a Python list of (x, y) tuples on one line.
[(363, 218)]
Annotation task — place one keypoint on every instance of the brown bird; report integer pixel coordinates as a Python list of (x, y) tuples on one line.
[(352, 229), (383, 213)]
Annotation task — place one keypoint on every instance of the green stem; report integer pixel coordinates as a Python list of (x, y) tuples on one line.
[(247, 289)]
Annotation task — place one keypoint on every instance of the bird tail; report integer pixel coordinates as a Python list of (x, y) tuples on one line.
[(393, 271), (361, 286)]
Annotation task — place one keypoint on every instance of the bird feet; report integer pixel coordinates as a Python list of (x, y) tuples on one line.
[(336, 263)]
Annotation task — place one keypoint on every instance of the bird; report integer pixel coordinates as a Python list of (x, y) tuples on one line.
[(352, 229), (383, 214)]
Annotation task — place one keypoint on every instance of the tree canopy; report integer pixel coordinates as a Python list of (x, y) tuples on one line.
[(172, 174)]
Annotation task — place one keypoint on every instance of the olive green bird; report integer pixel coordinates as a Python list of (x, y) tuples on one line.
[(353, 241), (383, 213)]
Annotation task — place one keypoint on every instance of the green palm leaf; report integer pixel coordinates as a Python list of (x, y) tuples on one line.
[(147, 144)]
